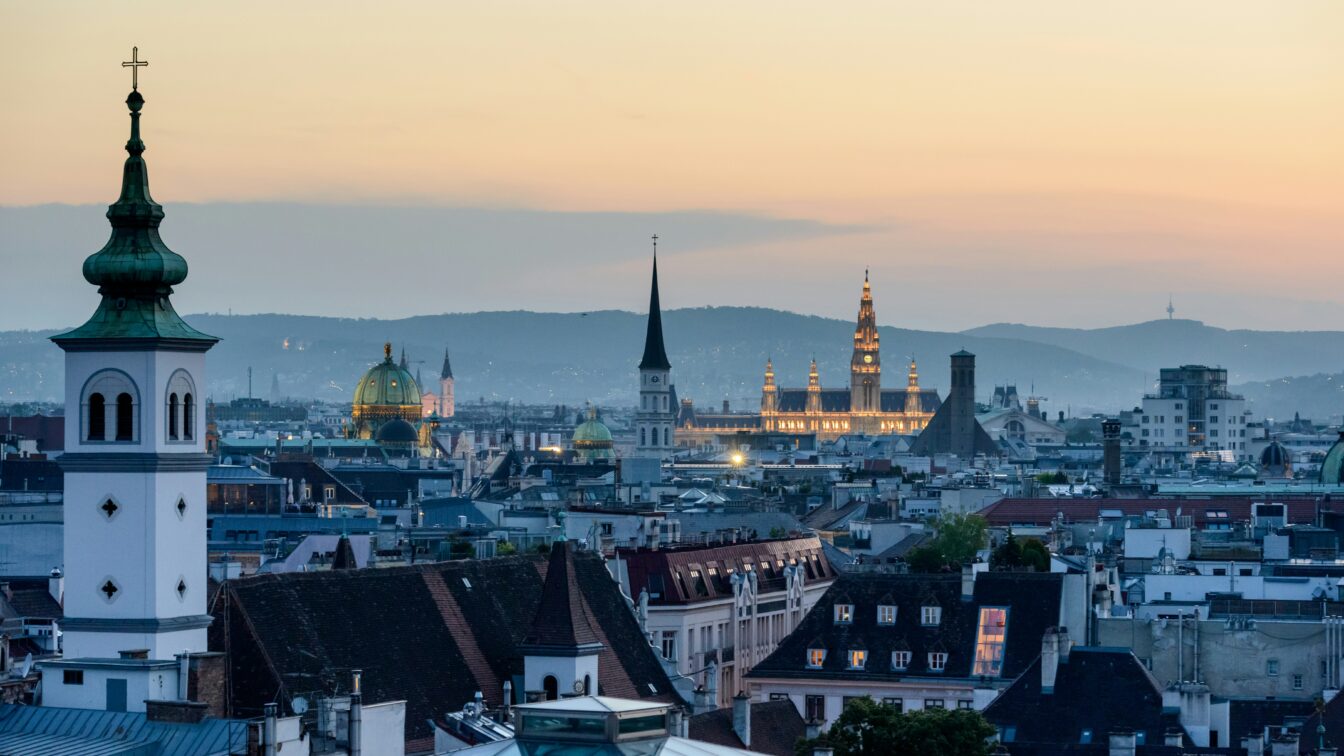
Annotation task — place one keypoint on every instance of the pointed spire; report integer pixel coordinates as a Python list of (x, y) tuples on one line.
[(655, 355), (562, 621), (403, 363), (813, 375), (447, 371)]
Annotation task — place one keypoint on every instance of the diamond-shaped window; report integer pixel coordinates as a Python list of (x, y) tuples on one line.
[(181, 507), (109, 508), (109, 589), (181, 588)]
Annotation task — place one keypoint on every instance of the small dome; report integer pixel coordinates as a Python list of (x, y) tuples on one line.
[(592, 439), (1332, 470), (592, 431), (387, 383), (397, 432), (1274, 455)]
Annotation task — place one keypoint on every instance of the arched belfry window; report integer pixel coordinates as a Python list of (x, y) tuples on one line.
[(180, 407), (110, 404), (551, 686)]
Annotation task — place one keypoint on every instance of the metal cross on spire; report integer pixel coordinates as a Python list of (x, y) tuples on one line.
[(135, 64), (655, 245)]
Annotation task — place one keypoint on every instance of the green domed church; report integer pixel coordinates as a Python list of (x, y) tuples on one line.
[(387, 392), (592, 440)]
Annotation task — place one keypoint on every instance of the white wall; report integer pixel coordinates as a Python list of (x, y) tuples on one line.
[(1144, 543)]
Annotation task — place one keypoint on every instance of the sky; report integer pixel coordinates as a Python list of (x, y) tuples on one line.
[(1048, 162)]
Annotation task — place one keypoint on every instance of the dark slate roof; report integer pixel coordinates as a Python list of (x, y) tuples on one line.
[(655, 355), (345, 555), (562, 618), (776, 727), (1253, 715), (34, 603), (429, 634), (936, 438), (893, 400), (1098, 689), (1033, 601), (687, 575), (447, 371)]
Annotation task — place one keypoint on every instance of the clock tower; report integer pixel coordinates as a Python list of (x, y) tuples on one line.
[(655, 419), (865, 368), (135, 464)]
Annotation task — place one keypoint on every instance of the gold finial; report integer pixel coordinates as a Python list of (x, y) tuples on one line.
[(387, 350)]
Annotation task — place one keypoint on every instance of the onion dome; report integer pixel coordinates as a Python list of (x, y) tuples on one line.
[(1274, 455), (135, 271), (387, 384), (1332, 470)]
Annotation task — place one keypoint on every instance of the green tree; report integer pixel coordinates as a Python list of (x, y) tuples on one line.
[(1035, 555), (506, 548), (959, 538), (866, 728), (925, 559), (461, 550), (1008, 555)]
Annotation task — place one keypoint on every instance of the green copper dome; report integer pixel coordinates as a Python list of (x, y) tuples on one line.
[(592, 432), (1332, 470), (387, 383), (135, 271)]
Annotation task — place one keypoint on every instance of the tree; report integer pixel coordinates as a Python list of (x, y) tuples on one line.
[(867, 728), (1035, 555), (461, 550), (506, 548), (1013, 554), (959, 538), (925, 559)]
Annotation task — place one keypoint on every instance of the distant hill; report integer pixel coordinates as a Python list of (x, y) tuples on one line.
[(717, 353)]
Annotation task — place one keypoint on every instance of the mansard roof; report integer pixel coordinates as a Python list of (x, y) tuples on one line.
[(687, 575), (1033, 602)]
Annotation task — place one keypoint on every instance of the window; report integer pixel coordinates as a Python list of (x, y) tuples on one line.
[(73, 677), (1086, 736), (886, 614), (670, 644), (172, 416), (896, 703), (1297, 682), (934, 703), (989, 641), (844, 614), (816, 657), (930, 616), (1178, 419), (857, 658), (97, 417), (125, 417), (1272, 667), (845, 701), (964, 704), (900, 660), (937, 661), (188, 418), (815, 708)]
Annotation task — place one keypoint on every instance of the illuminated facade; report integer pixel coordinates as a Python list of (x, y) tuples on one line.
[(864, 407), (387, 392)]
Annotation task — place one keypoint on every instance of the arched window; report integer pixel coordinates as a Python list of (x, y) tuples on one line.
[(641, 437), (551, 687), (125, 417), (97, 417), (587, 685), (172, 416), (188, 418), (667, 436)]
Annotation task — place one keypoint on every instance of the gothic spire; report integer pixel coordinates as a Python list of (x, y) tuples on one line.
[(655, 355), (447, 371)]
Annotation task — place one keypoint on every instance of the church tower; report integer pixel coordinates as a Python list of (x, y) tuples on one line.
[(447, 406), (769, 397), (913, 405), (813, 406), (134, 463), (655, 416), (865, 368)]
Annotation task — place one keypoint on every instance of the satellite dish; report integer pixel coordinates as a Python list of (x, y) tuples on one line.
[(299, 704)]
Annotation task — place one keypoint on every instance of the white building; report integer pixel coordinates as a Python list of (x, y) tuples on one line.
[(1194, 412)]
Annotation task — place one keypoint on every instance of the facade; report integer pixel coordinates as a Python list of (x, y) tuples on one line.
[(442, 404), (1194, 412), (135, 470), (916, 641), (954, 428), (862, 408), (728, 606), (387, 392)]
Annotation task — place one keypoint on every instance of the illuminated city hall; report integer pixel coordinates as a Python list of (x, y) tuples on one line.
[(862, 407)]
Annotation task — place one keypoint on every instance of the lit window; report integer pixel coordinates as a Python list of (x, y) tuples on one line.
[(937, 661), (844, 614), (886, 614), (930, 616), (857, 658), (816, 657), (989, 641), (900, 660)]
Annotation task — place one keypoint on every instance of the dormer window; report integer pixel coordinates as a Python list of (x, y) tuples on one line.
[(931, 616), (844, 614), (815, 658), (886, 614), (857, 658), (937, 661), (900, 660)]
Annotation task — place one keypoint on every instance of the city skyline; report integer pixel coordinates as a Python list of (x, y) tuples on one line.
[(1099, 159)]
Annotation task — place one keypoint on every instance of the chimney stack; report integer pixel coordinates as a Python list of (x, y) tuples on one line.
[(1254, 745), (967, 582), (1284, 745), (268, 744), (1123, 743), (1110, 444), (56, 585), (1174, 737), (355, 734), (742, 718), (1049, 661)]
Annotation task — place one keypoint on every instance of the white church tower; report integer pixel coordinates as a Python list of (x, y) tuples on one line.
[(135, 465), (655, 419)]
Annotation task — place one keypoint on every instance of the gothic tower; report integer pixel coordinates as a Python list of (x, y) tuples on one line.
[(813, 406), (769, 393), (135, 463), (913, 405), (654, 420), (447, 405), (865, 368)]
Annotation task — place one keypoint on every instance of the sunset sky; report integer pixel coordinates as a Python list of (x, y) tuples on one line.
[(1055, 163)]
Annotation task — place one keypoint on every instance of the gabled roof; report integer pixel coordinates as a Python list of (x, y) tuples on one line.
[(1096, 689), (776, 727), (562, 619), (1033, 601)]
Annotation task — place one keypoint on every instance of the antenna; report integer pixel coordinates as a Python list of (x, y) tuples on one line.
[(1171, 308)]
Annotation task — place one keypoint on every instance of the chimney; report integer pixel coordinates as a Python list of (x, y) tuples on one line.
[(1195, 702), (812, 729), (268, 744), (183, 675), (56, 586), (1123, 743), (967, 582), (1049, 661), (725, 406), (1284, 745), (1254, 745), (1174, 737), (742, 718), (355, 734), (1065, 644), (508, 699)]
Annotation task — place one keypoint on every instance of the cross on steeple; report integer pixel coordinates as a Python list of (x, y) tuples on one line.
[(655, 245), (135, 64)]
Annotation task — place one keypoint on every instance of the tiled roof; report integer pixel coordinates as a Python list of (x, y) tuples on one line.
[(1042, 511), (35, 603), (1033, 601), (562, 618), (430, 634), (1096, 689), (686, 575), (776, 727)]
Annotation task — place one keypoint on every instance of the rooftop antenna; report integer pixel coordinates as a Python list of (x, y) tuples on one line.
[(249, 381), (1171, 308)]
